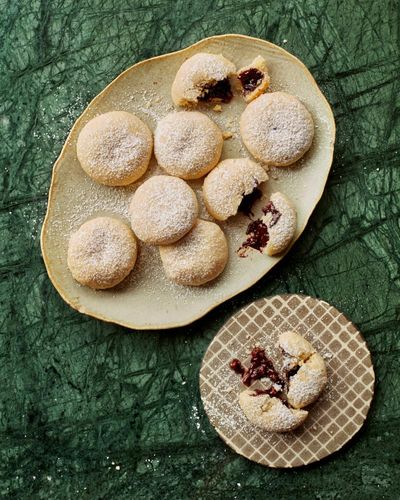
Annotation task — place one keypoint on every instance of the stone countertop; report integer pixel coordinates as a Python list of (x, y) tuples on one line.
[(92, 410)]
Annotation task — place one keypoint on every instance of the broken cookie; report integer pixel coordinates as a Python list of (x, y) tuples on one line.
[(203, 78), (274, 400), (273, 232), (253, 79)]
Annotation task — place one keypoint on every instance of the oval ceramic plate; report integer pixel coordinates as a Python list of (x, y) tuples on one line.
[(146, 299)]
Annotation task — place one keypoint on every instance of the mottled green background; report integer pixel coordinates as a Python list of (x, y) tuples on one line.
[(92, 410)]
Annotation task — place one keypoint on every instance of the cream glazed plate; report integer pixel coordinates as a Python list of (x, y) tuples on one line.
[(147, 299)]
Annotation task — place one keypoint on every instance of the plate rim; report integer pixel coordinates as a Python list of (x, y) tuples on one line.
[(56, 167)]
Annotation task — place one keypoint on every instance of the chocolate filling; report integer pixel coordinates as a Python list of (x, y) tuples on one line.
[(217, 92), (276, 215), (248, 201), (257, 231), (272, 392), (260, 366), (292, 371), (250, 79), (237, 366), (257, 237)]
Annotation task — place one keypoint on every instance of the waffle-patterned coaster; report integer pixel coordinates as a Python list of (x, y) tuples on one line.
[(339, 412)]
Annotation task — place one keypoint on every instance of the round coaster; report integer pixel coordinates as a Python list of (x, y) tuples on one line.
[(333, 419)]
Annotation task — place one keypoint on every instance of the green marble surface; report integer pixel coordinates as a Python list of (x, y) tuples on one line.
[(92, 410)]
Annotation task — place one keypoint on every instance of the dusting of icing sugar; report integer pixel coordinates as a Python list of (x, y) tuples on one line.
[(282, 232), (200, 256), (270, 413), (306, 385), (187, 144), (225, 186), (102, 252), (273, 232), (295, 345), (197, 71), (277, 128), (163, 209), (115, 148)]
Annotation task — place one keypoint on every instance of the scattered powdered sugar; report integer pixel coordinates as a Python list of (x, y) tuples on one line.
[(197, 71), (163, 209), (280, 233), (115, 147), (76, 198), (277, 128), (187, 144), (118, 149), (198, 257), (102, 252), (307, 384), (225, 186), (229, 416), (270, 413)]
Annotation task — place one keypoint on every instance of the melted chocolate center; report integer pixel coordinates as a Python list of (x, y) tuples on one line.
[(219, 91), (257, 237), (257, 231), (272, 392), (250, 79), (292, 371), (260, 366), (248, 201), (276, 215)]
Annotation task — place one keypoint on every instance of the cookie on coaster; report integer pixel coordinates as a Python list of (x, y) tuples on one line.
[(270, 413), (250, 416), (198, 257), (163, 209), (305, 368), (300, 383), (187, 144), (232, 186), (102, 252), (277, 129), (254, 79), (203, 78), (273, 232), (115, 148)]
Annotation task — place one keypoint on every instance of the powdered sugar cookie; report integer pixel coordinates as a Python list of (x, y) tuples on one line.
[(187, 144), (230, 185), (203, 78), (115, 148), (270, 413), (273, 232), (275, 397), (254, 79), (306, 370), (198, 257), (277, 129), (163, 209), (102, 252)]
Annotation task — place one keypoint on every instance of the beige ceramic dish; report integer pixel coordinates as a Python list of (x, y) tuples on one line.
[(146, 299)]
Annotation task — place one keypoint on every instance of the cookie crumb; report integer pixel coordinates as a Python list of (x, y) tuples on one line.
[(217, 108), (227, 135)]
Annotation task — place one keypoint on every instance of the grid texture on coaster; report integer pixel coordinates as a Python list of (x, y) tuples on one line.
[(339, 412)]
